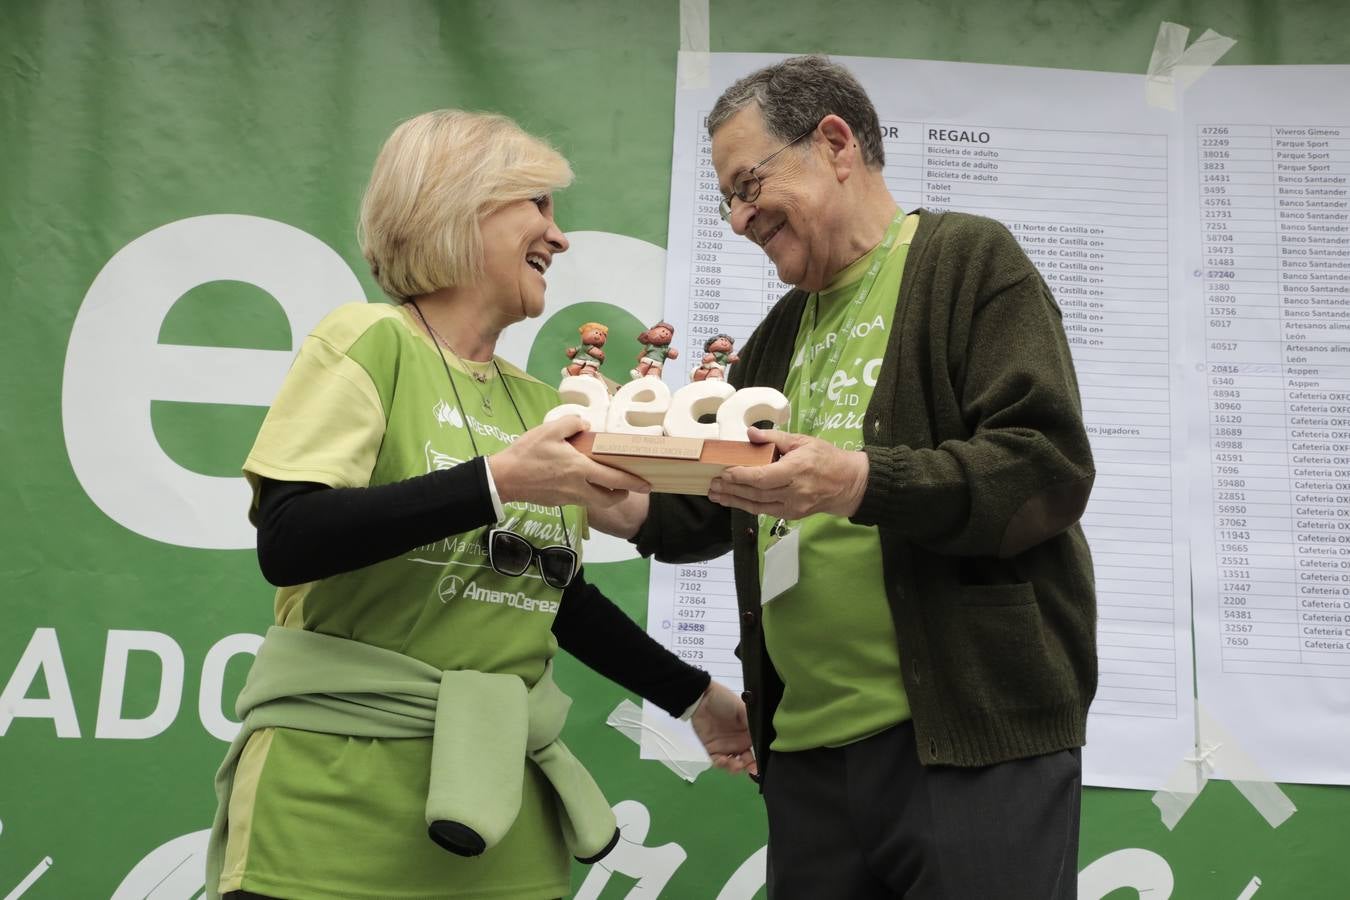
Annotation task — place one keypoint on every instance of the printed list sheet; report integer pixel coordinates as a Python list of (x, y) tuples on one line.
[(1268, 266)]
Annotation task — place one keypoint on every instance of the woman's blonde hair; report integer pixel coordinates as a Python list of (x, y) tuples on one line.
[(437, 175)]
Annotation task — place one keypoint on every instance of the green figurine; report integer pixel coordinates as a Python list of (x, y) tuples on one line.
[(656, 350), (717, 356), (586, 359)]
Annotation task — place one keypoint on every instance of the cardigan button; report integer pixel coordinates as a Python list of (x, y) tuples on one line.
[(749, 532), (748, 618), (747, 697)]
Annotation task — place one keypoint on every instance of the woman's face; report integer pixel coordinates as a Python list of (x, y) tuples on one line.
[(519, 243)]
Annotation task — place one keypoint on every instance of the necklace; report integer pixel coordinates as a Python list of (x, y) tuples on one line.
[(487, 404), (479, 378)]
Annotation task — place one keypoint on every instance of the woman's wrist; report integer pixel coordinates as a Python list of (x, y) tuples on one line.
[(501, 475), (497, 508)]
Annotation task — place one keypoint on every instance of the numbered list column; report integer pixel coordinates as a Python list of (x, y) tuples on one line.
[(1248, 418), (727, 286)]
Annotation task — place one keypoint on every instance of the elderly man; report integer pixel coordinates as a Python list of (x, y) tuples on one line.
[(916, 597)]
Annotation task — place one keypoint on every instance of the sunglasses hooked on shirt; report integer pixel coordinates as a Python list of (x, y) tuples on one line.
[(326, 531)]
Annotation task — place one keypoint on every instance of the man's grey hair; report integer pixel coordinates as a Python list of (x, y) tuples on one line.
[(795, 94)]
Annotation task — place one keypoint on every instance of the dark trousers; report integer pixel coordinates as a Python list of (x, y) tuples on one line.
[(868, 821)]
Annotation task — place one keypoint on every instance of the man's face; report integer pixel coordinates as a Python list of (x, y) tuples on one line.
[(790, 219)]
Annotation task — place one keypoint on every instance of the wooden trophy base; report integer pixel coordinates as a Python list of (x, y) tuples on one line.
[(673, 465)]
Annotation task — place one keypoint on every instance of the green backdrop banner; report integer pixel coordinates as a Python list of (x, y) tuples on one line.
[(178, 192)]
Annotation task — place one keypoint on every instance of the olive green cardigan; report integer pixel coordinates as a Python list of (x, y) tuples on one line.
[(979, 471)]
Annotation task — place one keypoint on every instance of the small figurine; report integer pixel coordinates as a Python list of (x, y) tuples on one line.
[(586, 359), (656, 350), (717, 356)]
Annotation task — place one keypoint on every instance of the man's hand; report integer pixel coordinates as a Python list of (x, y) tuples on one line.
[(721, 725), (622, 519), (812, 476)]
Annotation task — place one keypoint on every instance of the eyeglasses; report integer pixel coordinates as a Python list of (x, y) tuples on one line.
[(511, 554), (746, 186)]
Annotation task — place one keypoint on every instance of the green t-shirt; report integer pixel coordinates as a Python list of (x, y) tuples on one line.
[(367, 403), (831, 636)]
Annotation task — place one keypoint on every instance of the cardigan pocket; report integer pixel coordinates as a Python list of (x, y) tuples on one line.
[(1001, 658), (986, 595)]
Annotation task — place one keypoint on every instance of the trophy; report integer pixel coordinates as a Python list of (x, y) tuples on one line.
[(677, 441)]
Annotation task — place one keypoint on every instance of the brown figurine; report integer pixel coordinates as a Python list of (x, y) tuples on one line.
[(586, 359), (656, 350), (717, 356)]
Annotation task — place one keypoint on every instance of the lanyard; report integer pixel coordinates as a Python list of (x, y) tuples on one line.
[(805, 386)]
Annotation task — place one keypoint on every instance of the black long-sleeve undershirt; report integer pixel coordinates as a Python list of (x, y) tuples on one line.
[(308, 531)]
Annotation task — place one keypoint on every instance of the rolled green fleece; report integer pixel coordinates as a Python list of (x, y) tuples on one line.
[(477, 776)]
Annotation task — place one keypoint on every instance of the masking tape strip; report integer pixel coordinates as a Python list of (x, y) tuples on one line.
[(1234, 763), (627, 718), (695, 61), (1175, 67), (1217, 750), (1181, 789)]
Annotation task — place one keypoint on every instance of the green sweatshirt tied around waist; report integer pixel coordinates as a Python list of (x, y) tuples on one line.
[(307, 681)]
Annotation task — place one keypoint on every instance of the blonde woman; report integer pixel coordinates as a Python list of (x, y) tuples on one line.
[(424, 531)]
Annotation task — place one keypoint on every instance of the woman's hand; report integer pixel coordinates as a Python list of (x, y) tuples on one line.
[(542, 467)]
